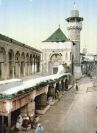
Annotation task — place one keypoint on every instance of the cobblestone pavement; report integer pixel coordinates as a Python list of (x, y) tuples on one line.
[(75, 113)]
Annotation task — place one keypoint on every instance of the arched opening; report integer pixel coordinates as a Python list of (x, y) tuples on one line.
[(55, 61), (11, 63), (27, 64), (38, 64), (17, 64), (36, 61), (2, 61), (22, 64)]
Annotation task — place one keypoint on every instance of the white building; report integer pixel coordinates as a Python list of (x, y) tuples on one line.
[(57, 50)]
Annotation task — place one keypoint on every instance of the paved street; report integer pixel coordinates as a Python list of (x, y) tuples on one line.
[(75, 113)]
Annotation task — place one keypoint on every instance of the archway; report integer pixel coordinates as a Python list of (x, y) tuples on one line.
[(17, 64), (22, 69), (27, 64), (11, 63), (55, 61), (2, 61)]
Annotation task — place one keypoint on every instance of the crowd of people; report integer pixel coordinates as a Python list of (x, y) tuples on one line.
[(25, 122)]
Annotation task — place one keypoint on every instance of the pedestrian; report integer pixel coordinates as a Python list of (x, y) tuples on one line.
[(39, 128), (26, 123), (76, 87), (19, 123), (66, 84)]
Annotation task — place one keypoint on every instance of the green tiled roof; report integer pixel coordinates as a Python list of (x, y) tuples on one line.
[(57, 36)]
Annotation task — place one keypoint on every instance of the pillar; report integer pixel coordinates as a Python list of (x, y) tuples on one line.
[(19, 66), (24, 70), (9, 123), (13, 69), (33, 67), (2, 124), (3, 70)]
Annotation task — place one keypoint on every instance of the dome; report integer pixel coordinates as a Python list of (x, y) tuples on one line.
[(74, 13)]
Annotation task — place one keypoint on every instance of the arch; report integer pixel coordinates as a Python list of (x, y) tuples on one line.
[(2, 62), (38, 64), (17, 64), (27, 58), (17, 57), (55, 61), (11, 63), (22, 69), (11, 55), (31, 58), (23, 56)]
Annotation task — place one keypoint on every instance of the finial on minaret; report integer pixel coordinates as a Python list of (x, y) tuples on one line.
[(74, 5)]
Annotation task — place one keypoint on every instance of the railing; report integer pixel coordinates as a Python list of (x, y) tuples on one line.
[(75, 24)]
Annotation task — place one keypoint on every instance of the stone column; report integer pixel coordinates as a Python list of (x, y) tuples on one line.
[(3, 71), (24, 70), (27, 68), (13, 75), (35, 67), (9, 123), (19, 66), (32, 67)]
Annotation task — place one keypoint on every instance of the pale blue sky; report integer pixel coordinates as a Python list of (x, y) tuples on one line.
[(32, 21)]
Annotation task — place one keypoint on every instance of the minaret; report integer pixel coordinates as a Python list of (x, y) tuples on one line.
[(74, 28)]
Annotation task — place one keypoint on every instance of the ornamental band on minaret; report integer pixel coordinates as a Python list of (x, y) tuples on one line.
[(74, 28)]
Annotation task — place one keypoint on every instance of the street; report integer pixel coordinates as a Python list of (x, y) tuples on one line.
[(75, 113)]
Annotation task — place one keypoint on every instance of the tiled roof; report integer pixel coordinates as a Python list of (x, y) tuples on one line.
[(57, 36)]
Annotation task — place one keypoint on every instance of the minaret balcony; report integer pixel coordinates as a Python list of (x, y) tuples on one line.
[(74, 25)]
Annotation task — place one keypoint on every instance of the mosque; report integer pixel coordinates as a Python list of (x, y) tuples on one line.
[(61, 50)]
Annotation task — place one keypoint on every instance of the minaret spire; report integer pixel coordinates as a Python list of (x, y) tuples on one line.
[(74, 5)]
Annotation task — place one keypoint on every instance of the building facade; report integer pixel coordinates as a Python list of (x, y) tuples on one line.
[(17, 59), (56, 51)]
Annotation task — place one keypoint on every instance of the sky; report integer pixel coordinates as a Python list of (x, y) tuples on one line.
[(33, 21)]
